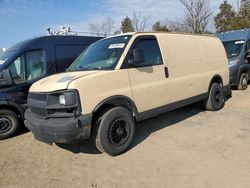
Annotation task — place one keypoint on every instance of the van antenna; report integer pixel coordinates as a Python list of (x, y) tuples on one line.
[(67, 31), (49, 32)]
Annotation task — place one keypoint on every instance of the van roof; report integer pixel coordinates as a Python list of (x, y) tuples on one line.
[(164, 32), (242, 34), (60, 37), (28, 41)]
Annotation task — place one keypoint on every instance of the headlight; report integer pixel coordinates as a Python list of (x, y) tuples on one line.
[(68, 98), (65, 98), (62, 99), (233, 62), (63, 104)]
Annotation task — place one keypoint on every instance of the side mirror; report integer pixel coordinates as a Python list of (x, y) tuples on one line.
[(137, 57), (6, 78)]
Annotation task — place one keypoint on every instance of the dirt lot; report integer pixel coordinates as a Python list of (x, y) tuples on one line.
[(185, 148)]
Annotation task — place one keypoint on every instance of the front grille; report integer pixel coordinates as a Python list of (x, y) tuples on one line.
[(38, 111), (37, 103), (38, 96), (46, 105)]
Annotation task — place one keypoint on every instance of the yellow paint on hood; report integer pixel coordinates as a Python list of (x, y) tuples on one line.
[(58, 81)]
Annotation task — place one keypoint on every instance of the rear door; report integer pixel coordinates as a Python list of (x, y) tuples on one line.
[(149, 81)]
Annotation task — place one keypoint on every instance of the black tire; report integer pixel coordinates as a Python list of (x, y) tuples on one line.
[(113, 132), (9, 124), (215, 100), (243, 83)]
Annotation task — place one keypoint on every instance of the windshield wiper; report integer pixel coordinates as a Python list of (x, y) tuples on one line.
[(86, 68), (80, 68)]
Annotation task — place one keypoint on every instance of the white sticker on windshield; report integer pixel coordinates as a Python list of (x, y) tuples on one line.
[(240, 42), (1, 62), (118, 45)]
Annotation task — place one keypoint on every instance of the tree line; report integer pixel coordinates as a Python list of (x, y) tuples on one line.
[(198, 18), (230, 19)]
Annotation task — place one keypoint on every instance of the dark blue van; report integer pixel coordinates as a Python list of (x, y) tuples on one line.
[(237, 45), (27, 62)]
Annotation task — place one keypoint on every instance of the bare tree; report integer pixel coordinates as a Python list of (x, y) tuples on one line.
[(177, 26), (104, 28), (198, 15), (95, 28), (108, 25), (139, 21)]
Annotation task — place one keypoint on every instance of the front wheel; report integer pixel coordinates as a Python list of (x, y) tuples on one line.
[(243, 83), (114, 131), (215, 100), (9, 124)]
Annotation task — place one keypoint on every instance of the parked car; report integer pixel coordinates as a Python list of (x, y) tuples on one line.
[(25, 63), (237, 45), (120, 80)]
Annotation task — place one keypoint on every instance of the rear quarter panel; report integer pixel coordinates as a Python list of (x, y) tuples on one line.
[(193, 61)]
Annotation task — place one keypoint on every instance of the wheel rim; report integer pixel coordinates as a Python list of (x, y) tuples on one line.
[(119, 132), (5, 125), (244, 82)]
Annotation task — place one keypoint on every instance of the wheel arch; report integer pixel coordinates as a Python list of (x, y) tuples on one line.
[(116, 101), (215, 79), (15, 108), (243, 69)]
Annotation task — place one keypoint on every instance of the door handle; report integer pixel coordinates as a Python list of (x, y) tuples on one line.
[(166, 72)]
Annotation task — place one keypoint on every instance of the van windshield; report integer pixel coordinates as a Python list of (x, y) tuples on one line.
[(12, 51), (102, 55), (233, 48), (6, 55)]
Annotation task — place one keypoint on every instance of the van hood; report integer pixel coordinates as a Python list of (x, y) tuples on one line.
[(58, 81)]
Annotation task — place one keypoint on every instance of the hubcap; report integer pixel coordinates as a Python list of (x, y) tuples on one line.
[(5, 125), (218, 96), (119, 132)]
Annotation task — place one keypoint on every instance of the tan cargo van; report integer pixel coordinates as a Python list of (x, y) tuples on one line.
[(124, 79)]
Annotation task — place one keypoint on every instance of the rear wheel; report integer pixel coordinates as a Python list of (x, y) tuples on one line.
[(114, 131), (243, 83), (215, 100), (9, 124)]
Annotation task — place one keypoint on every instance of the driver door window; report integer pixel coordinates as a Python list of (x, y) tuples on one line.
[(17, 69), (28, 66), (248, 46), (35, 64), (247, 55), (151, 51)]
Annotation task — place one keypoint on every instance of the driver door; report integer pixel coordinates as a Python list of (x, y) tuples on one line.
[(247, 56), (25, 70), (149, 81)]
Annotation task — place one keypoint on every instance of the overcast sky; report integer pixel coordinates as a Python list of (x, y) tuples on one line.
[(22, 19)]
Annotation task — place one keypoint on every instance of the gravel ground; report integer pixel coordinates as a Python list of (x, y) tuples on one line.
[(188, 147)]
